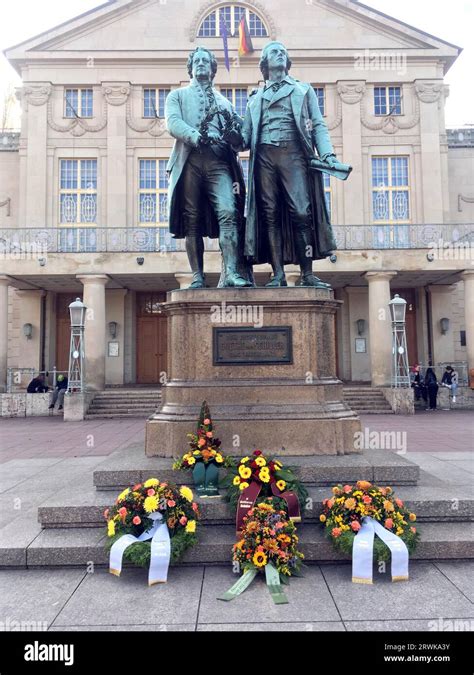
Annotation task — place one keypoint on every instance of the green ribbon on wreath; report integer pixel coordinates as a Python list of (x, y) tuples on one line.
[(272, 578)]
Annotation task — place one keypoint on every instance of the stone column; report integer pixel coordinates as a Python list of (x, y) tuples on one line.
[(468, 278), (380, 327), (441, 307), (4, 283), (116, 95), (429, 93), (351, 93), (34, 175), (94, 334)]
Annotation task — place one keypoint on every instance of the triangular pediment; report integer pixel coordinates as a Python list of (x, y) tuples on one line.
[(150, 25)]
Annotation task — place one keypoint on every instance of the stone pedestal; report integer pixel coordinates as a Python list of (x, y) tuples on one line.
[(289, 408)]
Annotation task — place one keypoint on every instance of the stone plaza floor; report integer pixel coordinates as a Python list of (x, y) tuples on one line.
[(39, 456)]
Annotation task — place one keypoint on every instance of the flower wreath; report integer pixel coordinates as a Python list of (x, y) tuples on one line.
[(269, 474), (132, 514), (344, 512)]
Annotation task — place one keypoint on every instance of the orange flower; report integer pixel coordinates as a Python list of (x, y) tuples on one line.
[(389, 523), (137, 520), (355, 525), (412, 517), (413, 529), (350, 504), (388, 506), (201, 442), (347, 488), (336, 532), (209, 434), (363, 484), (399, 503), (207, 421), (366, 499)]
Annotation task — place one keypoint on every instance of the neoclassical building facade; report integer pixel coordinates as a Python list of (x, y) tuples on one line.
[(83, 186)]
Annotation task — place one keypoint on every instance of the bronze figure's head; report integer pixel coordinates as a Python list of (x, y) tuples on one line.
[(274, 55), (202, 64)]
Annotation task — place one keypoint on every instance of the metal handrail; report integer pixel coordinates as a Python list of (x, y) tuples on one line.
[(16, 382)]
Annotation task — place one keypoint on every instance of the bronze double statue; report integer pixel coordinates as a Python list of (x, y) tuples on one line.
[(287, 220)]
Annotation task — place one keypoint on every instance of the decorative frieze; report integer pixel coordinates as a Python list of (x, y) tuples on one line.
[(35, 94), (429, 91), (351, 92), (116, 94)]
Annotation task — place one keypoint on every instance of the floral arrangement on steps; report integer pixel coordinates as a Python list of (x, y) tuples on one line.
[(151, 524), (257, 478), (268, 543), (354, 514), (204, 457)]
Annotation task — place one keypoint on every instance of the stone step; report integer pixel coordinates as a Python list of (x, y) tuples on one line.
[(126, 405), (382, 467), (84, 507), (140, 414), (83, 547)]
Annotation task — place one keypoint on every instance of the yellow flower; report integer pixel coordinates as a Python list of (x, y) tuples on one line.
[(260, 559), (350, 504), (196, 452), (281, 485), (260, 461), (110, 528), (151, 482), (399, 531), (264, 475), (191, 461), (187, 493), (322, 518), (191, 526), (245, 471), (219, 458), (236, 480), (244, 460), (278, 466), (412, 517), (123, 494), (151, 504), (243, 485)]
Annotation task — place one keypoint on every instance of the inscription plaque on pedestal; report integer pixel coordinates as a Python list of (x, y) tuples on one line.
[(252, 346)]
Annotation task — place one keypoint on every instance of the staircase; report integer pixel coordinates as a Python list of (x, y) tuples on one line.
[(124, 403), (71, 527), (366, 400)]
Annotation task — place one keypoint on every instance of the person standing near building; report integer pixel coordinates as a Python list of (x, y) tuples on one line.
[(450, 380), (59, 392), (431, 384)]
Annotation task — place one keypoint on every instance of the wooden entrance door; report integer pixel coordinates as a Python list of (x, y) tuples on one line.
[(409, 294), (63, 330), (151, 338)]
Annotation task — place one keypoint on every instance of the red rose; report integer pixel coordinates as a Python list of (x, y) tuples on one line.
[(257, 453), (150, 492), (137, 520)]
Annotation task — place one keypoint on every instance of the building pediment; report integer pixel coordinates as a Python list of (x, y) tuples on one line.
[(142, 26)]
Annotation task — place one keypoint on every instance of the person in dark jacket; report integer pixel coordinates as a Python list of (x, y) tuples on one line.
[(418, 385), (59, 392), (431, 384), (37, 385), (450, 380)]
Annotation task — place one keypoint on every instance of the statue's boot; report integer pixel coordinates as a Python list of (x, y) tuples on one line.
[(228, 242), (276, 257), (195, 251), (304, 243)]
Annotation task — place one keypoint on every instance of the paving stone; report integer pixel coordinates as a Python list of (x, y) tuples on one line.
[(461, 574), (68, 547), (409, 625), (151, 628), (35, 595), (16, 537), (427, 595), (309, 600), (103, 599), (308, 627)]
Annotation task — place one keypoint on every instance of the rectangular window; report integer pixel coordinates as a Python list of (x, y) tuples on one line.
[(154, 102), (390, 190), (328, 193), (153, 204), (320, 95), (78, 191), (238, 98), (78, 103), (387, 100)]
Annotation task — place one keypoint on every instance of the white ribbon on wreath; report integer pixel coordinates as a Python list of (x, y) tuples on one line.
[(160, 553), (363, 551)]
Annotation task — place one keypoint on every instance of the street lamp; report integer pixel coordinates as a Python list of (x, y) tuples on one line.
[(77, 310), (400, 370)]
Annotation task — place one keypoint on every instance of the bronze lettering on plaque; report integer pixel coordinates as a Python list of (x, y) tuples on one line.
[(252, 346)]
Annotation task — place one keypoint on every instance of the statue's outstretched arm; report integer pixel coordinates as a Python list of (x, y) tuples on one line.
[(175, 124)]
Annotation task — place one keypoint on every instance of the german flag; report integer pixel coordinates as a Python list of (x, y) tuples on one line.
[(245, 41)]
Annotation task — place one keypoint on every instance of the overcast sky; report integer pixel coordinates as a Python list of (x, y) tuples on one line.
[(453, 22)]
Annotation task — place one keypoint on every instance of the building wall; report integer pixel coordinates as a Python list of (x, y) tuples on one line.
[(461, 184), (9, 188)]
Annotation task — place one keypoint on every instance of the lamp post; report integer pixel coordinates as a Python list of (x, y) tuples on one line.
[(77, 311), (400, 370)]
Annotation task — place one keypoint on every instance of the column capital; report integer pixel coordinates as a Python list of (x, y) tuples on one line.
[(93, 278), (379, 275), (467, 274)]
